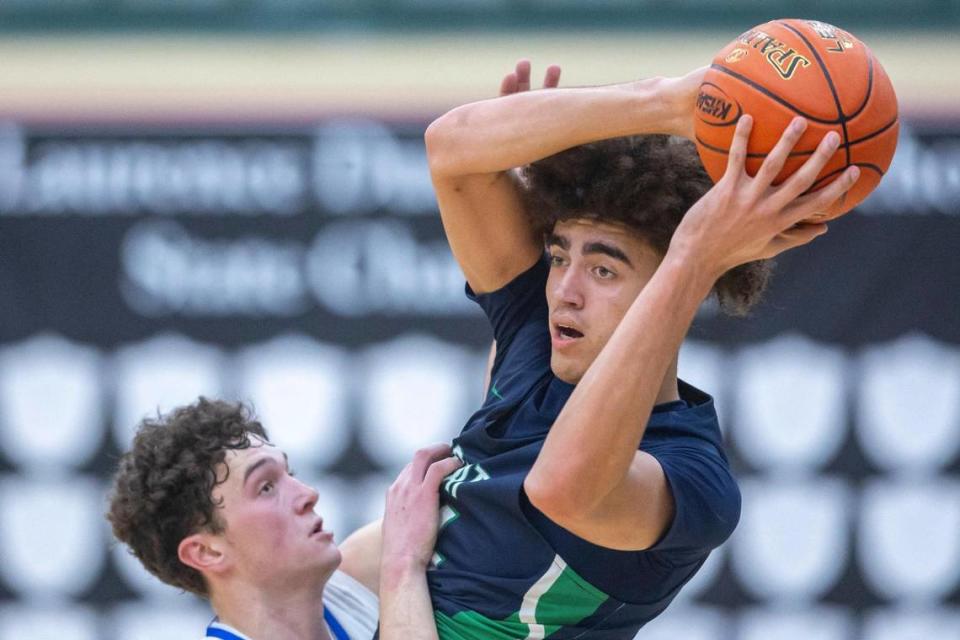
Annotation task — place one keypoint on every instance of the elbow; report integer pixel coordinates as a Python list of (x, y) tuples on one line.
[(552, 498), (442, 140), (433, 137), (437, 141)]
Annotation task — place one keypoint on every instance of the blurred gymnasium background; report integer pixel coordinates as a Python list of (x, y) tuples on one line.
[(230, 197)]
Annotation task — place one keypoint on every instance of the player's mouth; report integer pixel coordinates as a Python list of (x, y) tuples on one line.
[(317, 531), (564, 334)]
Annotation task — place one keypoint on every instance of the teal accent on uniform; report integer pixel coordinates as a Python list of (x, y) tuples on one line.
[(447, 515), (566, 599)]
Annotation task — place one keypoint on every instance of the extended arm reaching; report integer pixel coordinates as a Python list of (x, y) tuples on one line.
[(410, 524)]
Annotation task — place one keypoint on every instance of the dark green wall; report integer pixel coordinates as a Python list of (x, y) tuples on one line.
[(33, 16)]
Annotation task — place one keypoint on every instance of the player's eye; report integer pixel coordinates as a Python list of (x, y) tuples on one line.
[(604, 273), (292, 472), (267, 487), (556, 261)]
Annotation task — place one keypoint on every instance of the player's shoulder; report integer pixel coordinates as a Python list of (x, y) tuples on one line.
[(691, 420), (527, 282)]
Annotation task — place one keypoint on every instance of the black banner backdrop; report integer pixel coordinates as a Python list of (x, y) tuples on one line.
[(306, 270)]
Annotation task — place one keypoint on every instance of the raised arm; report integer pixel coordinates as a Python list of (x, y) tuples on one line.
[(410, 524), (472, 149), (361, 555), (589, 476)]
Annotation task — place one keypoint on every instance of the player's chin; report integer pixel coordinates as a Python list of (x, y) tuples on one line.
[(327, 557), (567, 367)]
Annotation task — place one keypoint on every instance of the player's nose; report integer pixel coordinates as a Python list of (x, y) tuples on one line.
[(306, 498), (568, 288)]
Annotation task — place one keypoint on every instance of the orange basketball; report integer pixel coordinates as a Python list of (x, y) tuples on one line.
[(788, 68)]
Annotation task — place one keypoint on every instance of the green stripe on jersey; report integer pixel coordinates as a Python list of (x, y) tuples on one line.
[(558, 599)]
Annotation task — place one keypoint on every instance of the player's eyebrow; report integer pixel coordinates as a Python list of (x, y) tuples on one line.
[(607, 249), (259, 463), (555, 239)]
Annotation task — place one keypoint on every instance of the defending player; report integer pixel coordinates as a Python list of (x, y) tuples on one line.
[(208, 505), (595, 482)]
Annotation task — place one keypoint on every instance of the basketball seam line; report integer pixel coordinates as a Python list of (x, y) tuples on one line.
[(869, 87), (833, 90), (770, 95), (802, 153), (875, 133), (865, 165)]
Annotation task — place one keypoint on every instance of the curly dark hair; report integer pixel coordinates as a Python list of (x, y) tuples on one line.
[(162, 491), (646, 183)]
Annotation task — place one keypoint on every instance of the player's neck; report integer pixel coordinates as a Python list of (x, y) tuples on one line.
[(272, 614)]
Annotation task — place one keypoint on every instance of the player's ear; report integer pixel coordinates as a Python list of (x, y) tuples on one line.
[(203, 552)]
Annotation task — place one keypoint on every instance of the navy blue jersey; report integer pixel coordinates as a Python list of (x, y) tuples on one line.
[(502, 569)]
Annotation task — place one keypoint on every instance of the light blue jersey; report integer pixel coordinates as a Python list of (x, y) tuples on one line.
[(350, 611)]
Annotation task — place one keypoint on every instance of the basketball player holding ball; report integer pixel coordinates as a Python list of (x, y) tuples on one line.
[(595, 483)]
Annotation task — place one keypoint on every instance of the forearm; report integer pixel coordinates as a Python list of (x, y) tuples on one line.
[(592, 444), (406, 612), (361, 555), (495, 135)]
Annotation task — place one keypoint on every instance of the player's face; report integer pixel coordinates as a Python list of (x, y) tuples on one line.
[(597, 269), (272, 534)]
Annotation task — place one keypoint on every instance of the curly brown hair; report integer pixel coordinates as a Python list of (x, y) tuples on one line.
[(163, 488), (646, 183)]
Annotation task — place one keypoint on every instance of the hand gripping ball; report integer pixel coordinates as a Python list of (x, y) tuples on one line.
[(787, 68)]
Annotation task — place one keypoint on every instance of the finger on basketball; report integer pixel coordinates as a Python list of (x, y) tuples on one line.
[(807, 174), (808, 206), (440, 469), (523, 75), (795, 236), (551, 78), (773, 163), (509, 84), (738, 147)]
